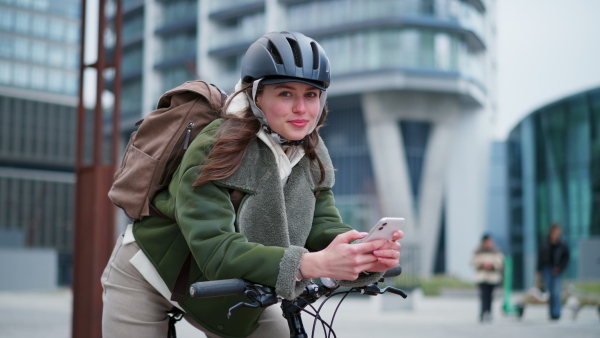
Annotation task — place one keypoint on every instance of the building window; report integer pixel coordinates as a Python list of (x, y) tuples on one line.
[(7, 19), (56, 56), (22, 22), (40, 5), (6, 47), (38, 78), (21, 49), (175, 76), (346, 139), (55, 81), (72, 33), (71, 83), (40, 26), (57, 29), (412, 48), (21, 73), (415, 135), (39, 52), (5, 72)]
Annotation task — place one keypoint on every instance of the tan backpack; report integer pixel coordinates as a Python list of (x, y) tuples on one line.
[(156, 148)]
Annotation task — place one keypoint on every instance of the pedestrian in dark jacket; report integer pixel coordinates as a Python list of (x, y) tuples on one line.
[(284, 231), (553, 258)]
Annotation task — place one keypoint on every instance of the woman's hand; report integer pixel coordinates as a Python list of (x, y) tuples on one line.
[(342, 260), (388, 255)]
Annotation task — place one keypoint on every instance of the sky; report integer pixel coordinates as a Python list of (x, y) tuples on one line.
[(546, 50)]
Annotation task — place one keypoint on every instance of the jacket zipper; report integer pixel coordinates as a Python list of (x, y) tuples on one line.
[(188, 134), (183, 143)]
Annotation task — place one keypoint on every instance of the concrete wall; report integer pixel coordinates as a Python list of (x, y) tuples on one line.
[(454, 173), (588, 266), (28, 269)]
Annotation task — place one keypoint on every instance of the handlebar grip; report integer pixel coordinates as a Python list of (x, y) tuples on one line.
[(396, 291), (393, 272), (218, 288)]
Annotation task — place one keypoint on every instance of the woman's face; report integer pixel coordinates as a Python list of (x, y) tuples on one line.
[(291, 108)]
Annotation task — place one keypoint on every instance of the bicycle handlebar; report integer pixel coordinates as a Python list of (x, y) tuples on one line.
[(393, 272), (262, 296), (217, 288), (235, 286)]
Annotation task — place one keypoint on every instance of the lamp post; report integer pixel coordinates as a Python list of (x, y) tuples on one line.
[(94, 227)]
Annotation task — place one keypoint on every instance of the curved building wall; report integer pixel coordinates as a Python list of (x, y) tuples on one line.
[(554, 176)]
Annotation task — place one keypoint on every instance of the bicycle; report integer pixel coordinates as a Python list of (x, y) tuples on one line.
[(263, 296)]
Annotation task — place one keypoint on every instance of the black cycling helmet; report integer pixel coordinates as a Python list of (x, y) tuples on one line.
[(286, 56)]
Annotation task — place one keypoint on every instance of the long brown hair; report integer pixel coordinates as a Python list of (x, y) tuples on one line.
[(235, 135)]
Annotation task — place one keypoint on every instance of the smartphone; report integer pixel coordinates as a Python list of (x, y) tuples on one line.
[(384, 228)]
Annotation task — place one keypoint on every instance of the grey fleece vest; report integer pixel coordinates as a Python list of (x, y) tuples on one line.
[(271, 214)]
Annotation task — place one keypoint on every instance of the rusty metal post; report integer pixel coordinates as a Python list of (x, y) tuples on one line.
[(94, 228)]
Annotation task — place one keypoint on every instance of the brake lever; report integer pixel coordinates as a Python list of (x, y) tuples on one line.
[(259, 295), (394, 291), (373, 290), (241, 305)]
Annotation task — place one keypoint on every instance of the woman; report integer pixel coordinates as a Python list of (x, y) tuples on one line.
[(284, 231), (488, 262)]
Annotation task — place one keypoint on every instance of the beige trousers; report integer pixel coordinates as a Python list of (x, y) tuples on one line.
[(133, 307)]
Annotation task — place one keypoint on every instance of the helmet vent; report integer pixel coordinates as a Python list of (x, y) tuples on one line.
[(296, 51), (274, 52), (315, 53)]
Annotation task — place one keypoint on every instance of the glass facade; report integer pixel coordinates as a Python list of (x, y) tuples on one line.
[(415, 135), (327, 14), (37, 183), (241, 30), (416, 34), (403, 49), (554, 176), (40, 209), (426, 37), (39, 45), (39, 70), (132, 60), (219, 5), (37, 134), (346, 138), (176, 43)]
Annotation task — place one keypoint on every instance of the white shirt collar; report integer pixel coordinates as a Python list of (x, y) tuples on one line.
[(285, 161)]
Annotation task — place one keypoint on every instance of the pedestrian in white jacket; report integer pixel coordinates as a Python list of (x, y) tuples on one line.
[(488, 262)]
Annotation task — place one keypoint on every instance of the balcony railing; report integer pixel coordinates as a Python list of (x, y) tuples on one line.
[(326, 14), (420, 50), (216, 6), (248, 29), (173, 12)]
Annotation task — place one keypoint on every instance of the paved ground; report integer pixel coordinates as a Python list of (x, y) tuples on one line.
[(48, 314)]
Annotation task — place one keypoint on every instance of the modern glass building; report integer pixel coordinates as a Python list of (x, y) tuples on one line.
[(39, 69), (554, 176), (497, 211), (411, 98)]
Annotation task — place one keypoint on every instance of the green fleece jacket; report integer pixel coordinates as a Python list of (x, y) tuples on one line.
[(263, 242)]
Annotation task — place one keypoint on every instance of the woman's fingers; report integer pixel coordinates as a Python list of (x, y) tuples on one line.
[(383, 264), (399, 234), (387, 253), (342, 260), (348, 236)]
